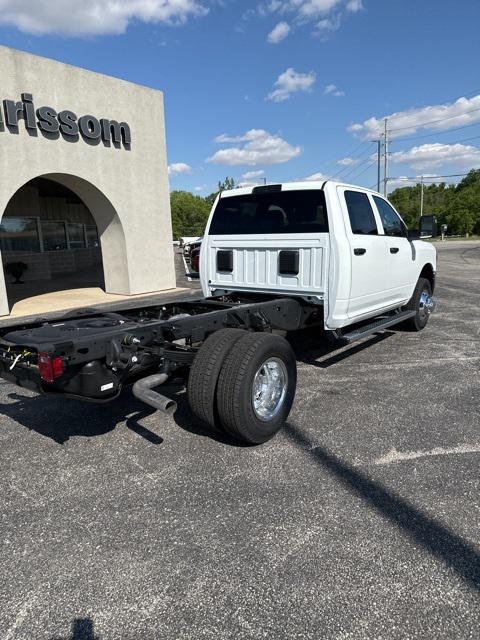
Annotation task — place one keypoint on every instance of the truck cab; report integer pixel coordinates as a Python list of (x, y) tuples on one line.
[(337, 245)]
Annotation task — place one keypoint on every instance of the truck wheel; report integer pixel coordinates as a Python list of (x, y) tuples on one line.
[(422, 303), (204, 372), (256, 387)]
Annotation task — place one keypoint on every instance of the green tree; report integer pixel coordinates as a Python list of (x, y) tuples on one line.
[(457, 206), (462, 217), (470, 180), (189, 214), (223, 185)]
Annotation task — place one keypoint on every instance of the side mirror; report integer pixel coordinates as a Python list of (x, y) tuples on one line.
[(414, 234)]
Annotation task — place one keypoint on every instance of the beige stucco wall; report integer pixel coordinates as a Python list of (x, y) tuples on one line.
[(126, 190)]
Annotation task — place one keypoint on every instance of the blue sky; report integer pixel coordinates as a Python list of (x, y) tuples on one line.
[(285, 89)]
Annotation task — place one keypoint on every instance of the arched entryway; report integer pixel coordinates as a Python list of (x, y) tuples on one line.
[(58, 232)]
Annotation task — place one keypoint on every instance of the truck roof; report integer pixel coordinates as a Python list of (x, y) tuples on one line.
[(292, 186)]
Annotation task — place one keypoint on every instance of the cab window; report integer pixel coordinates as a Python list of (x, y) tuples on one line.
[(360, 212), (392, 224), (302, 211)]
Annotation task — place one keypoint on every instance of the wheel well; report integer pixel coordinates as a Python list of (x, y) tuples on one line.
[(428, 273)]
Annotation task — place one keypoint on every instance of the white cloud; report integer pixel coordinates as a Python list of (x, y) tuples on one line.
[(316, 177), (328, 24), (354, 6), (178, 167), (225, 138), (327, 13), (259, 147), (429, 156), (94, 17), (313, 8), (347, 162), (251, 175), (333, 90), (200, 188), (440, 117), (291, 82), (279, 33)]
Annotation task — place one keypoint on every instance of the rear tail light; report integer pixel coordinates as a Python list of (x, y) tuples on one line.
[(49, 368)]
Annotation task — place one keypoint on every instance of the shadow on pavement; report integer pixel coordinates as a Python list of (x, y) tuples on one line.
[(61, 419), (441, 543), (82, 629), (311, 344)]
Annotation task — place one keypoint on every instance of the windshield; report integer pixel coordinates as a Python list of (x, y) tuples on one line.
[(265, 213)]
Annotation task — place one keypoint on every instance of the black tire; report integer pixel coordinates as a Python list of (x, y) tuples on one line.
[(235, 387), (204, 372), (420, 319)]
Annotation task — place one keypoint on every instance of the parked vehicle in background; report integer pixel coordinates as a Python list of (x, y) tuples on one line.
[(195, 258), (187, 243), (328, 256)]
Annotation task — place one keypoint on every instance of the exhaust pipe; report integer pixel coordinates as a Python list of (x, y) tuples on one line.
[(143, 390)]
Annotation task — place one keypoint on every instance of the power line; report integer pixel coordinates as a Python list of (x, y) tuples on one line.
[(462, 140), (351, 154), (364, 170), (418, 178), (423, 124), (353, 169), (436, 133)]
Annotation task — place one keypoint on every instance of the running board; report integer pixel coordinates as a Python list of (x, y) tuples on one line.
[(377, 325)]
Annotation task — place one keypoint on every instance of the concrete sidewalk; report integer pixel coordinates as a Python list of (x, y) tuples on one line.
[(73, 299)]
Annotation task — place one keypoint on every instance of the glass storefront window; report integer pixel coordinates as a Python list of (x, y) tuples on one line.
[(92, 236), (24, 234), (54, 236), (19, 234), (76, 236)]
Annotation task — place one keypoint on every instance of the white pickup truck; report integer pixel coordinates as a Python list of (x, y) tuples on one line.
[(336, 245), (332, 257)]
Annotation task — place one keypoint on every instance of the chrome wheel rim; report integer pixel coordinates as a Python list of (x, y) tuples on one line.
[(269, 388), (426, 305)]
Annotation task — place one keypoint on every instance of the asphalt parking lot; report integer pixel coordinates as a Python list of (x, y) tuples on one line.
[(361, 520)]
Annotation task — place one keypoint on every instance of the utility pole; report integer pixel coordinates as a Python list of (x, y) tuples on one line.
[(385, 160), (421, 197), (379, 164)]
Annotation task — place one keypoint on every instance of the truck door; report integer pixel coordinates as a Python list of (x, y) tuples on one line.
[(368, 254), (402, 269)]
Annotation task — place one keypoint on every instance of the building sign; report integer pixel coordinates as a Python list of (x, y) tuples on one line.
[(66, 123)]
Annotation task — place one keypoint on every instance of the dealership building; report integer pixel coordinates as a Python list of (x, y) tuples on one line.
[(84, 193)]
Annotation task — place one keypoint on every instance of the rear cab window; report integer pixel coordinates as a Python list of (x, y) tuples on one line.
[(280, 212)]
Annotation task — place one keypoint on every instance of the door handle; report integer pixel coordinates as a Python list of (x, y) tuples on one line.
[(394, 249), (359, 252)]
